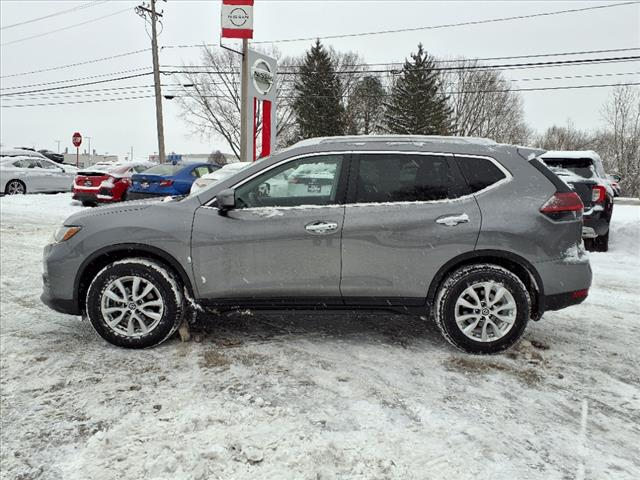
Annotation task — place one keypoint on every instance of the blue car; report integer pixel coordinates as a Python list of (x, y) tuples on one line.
[(167, 179)]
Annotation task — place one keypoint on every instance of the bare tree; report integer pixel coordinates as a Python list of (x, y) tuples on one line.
[(566, 137), (210, 100), (483, 104), (622, 150), (217, 158), (365, 107)]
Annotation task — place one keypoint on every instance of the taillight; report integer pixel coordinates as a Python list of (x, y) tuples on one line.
[(166, 183), (580, 293), (562, 202), (598, 194)]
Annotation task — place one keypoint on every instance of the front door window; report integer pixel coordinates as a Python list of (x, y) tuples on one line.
[(307, 181)]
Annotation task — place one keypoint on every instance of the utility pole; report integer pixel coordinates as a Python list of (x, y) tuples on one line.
[(244, 99), (58, 142), (143, 10), (89, 140)]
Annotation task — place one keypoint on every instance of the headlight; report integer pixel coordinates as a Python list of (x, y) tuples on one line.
[(64, 233)]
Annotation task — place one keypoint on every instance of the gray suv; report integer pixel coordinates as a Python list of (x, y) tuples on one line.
[(481, 236)]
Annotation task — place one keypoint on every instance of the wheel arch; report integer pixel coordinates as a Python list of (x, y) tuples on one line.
[(104, 256), (521, 267), (6, 184)]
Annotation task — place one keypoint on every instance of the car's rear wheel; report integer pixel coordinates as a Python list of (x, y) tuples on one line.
[(135, 303), (15, 187), (85, 203), (601, 243), (482, 309)]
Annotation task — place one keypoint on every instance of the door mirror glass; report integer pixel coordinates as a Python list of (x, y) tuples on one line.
[(226, 199)]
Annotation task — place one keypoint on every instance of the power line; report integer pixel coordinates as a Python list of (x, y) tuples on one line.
[(449, 25), (78, 102), (436, 61), (118, 12), (74, 9), (534, 89), (76, 79), (86, 62), (453, 68), (79, 84)]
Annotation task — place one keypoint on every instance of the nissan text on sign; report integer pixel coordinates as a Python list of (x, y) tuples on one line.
[(237, 18)]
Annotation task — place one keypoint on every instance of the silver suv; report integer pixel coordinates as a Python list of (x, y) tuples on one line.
[(480, 235)]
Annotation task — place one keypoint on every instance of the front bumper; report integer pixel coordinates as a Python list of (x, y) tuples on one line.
[(140, 195), (59, 272)]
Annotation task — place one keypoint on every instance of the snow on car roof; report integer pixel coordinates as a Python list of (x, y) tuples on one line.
[(395, 139), (573, 154), (18, 152)]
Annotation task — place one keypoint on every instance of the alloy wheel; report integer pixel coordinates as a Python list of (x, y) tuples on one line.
[(15, 188), (131, 306), (485, 311)]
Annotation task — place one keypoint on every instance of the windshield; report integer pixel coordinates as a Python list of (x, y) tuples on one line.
[(582, 167)]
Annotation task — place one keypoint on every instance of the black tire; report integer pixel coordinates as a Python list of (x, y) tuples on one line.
[(601, 243), (170, 292), (453, 287), (20, 187), (590, 244), (89, 204)]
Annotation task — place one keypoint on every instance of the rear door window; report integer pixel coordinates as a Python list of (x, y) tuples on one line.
[(397, 177), (480, 173)]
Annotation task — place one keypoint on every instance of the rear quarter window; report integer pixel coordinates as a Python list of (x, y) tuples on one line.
[(479, 172)]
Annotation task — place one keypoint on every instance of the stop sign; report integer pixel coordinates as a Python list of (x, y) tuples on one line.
[(76, 139)]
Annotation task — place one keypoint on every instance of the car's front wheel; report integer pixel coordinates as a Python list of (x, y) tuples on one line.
[(15, 187), (482, 308), (135, 303)]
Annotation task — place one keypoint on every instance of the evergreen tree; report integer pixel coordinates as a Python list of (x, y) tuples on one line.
[(417, 104), (317, 96)]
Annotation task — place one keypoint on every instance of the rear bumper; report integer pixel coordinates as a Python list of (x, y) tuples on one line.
[(597, 222), (565, 282), (564, 300)]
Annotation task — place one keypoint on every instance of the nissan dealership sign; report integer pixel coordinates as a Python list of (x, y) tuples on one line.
[(263, 77), (237, 18)]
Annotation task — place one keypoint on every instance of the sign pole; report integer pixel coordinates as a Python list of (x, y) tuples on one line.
[(244, 102), (77, 157)]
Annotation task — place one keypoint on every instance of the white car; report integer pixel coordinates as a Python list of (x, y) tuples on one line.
[(32, 174), (220, 174)]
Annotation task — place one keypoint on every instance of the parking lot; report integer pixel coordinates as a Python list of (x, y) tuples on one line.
[(316, 395)]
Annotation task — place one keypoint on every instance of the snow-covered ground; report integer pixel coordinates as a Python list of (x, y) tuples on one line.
[(316, 396)]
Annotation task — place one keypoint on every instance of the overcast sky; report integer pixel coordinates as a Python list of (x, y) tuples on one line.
[(117, 126)]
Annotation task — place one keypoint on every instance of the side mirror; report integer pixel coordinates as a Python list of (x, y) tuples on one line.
[(226, 199)]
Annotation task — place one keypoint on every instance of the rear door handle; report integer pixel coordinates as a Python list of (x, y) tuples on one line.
[(453, 220), (321, 227)]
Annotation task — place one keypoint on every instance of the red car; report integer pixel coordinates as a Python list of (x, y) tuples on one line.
[(105, 183)]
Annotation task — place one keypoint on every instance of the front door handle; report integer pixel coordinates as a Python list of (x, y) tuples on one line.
[(453, 220), (321, 227)]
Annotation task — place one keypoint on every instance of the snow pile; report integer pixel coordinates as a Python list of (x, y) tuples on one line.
[(625, 230), (49, 208)]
